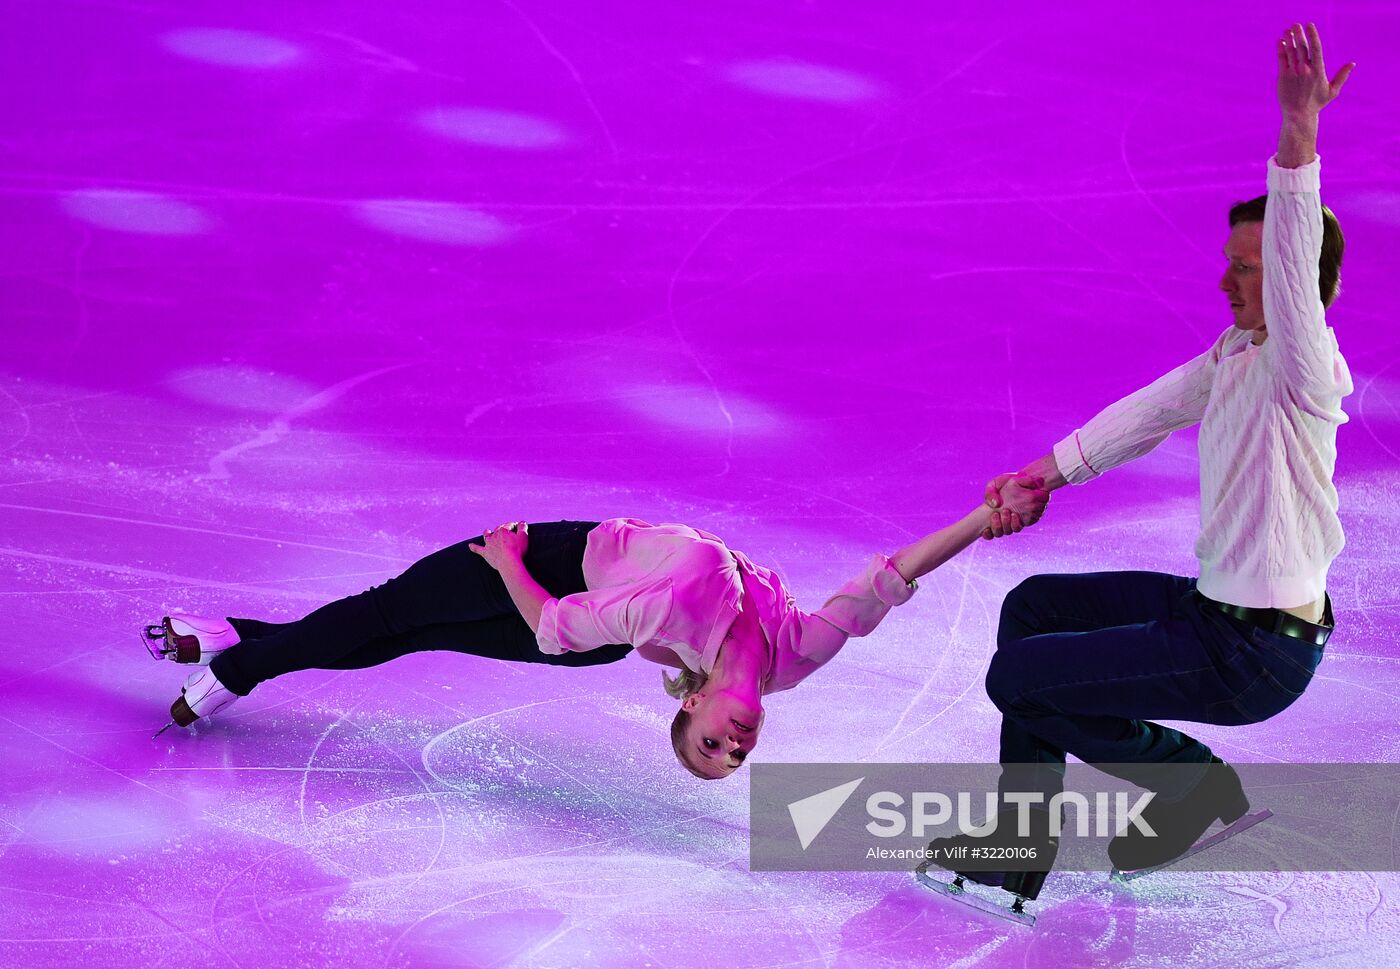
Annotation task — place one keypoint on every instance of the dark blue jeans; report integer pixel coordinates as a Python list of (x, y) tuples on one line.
[(1085, 663), (449, 600)]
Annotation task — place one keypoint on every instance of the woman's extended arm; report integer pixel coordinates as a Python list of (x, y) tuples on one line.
[(1024, 496), (931, 551), (527, 594)]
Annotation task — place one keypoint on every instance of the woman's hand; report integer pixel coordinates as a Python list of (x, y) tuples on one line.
[(1017, 500), (505, 545), (504, 551)]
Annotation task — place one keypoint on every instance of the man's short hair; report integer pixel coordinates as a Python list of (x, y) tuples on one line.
[(1329, 264)]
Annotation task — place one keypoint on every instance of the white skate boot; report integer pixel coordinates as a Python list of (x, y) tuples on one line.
[(189, 639), (201, 697)]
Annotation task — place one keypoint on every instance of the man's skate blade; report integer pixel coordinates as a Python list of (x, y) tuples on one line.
[(973, 900), (1243, 824)]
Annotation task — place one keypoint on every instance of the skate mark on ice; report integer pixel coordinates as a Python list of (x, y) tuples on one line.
[(964, 591), (558, 55), (167, 578), (195, 529), (306, 771), (97, 763), (1364, 418), (281, 425), (432, 795), (432, 744), (1280, 907), (376, 56), (975, 957), (246, 768)]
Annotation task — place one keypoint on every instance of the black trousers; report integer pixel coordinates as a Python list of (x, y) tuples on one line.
[(1086, 663), (449, 600)]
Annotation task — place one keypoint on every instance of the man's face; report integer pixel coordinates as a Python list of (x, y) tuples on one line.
[(1243, 281)]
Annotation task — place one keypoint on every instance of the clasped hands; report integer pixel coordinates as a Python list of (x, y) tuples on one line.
[(1017, 501)]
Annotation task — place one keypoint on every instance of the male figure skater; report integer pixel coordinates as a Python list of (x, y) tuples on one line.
[(1085, 662)]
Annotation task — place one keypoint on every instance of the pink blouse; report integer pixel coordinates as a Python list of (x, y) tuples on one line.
[(681, 588)]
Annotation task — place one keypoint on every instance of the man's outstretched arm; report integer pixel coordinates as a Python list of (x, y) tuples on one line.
[(1121, 432)]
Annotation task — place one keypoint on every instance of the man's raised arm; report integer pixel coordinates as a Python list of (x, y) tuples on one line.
[(1293, 226)]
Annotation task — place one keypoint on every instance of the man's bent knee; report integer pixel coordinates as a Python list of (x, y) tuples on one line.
[(1004, 680), (1023, 609)]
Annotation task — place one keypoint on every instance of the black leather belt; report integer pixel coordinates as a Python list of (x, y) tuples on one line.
[(1278, 621)]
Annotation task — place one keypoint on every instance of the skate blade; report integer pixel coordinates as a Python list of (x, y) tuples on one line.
[(163, 729), (1243, 824), (972, 900), (155, 641)]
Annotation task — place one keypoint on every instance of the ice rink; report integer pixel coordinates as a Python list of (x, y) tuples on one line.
[(293, 294)]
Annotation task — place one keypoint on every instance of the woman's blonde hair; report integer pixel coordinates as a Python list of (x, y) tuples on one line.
[(680, 687)]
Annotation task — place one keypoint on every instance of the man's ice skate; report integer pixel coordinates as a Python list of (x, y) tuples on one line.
[(200, 698), (984, 861), (1179, 825), (189, 639)]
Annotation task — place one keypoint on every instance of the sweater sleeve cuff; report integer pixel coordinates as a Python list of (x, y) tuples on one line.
[(861, 603), (547, 636), (1307, 178), (1069, 458)]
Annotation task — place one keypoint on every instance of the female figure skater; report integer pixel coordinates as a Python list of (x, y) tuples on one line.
[(581, 594)]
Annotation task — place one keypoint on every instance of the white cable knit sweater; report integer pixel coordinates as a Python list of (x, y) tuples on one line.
[(1269, 416)]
